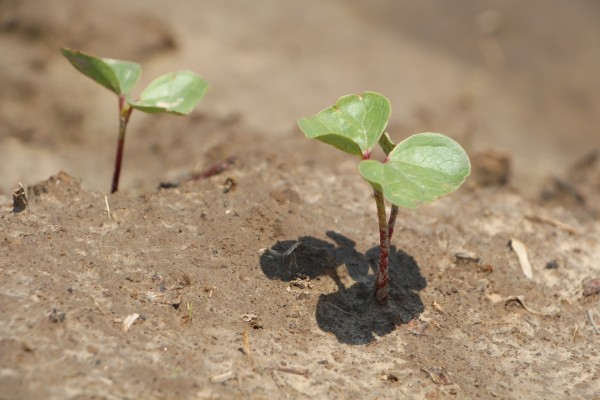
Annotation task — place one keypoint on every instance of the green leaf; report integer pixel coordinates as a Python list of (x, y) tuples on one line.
[(386, 143), (128, 73), (354, 124), (117, 76), (419, 170), (177, 93)]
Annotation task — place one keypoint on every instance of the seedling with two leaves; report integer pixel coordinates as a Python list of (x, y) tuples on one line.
[(176, 93), (416, 171)]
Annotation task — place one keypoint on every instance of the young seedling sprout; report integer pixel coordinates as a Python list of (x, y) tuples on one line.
[(416, 171), (176, 93)]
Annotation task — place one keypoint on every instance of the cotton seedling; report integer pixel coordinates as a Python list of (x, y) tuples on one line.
[(176, 93), (416, 171)]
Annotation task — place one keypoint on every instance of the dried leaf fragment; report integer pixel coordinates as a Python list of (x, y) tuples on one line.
[(521, 301), (465, 257), (437, 307), (19, 200), (519, 248), (439, 375), (129, 321)]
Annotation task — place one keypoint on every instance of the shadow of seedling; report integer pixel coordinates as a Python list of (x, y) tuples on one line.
[(351, 314)]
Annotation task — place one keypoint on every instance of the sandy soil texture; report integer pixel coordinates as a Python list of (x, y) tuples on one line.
[(257, 282)]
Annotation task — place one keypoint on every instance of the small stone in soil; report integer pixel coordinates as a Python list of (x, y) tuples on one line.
[(57, 316), (591, 287)]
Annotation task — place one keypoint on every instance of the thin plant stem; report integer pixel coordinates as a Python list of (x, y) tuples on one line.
[(124, 114), (386, 230), (381, 281), (392, 221)]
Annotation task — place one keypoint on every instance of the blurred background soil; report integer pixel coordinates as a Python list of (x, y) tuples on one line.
[(519, 78), (515, 82)]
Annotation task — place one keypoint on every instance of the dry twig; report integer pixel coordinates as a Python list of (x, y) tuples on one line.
[(107, 207), (590, 315), (221, 377), (247, 349), (294, 370), (556, 223)]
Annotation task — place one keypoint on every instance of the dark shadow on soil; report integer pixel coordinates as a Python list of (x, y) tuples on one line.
[(351, 313)]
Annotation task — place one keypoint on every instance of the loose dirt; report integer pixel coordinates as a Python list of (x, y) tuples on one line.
[(257, 282)]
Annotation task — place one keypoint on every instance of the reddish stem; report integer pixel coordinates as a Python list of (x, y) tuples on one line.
[(124, 114), (117, 172), (381, 281), (386, 230)]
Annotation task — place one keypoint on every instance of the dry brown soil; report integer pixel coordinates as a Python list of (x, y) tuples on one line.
[(257, 282)]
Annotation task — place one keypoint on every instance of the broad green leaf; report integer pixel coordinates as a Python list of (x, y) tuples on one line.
[(128, 73), (178, 93), (419, 170), (115, 75), (354, 124)]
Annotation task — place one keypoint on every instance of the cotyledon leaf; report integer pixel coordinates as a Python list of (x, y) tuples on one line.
[(419, 170), (128, 73), (354, 124), (178, 93), (116, 75)]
